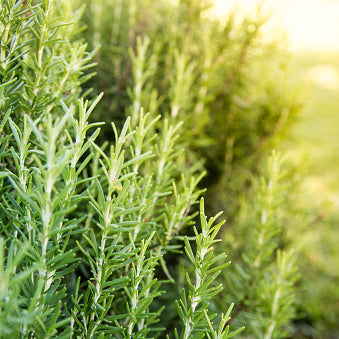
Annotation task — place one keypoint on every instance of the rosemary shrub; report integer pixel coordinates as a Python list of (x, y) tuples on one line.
[(223, 79), (227, 86), (85, 227), (262, 279)]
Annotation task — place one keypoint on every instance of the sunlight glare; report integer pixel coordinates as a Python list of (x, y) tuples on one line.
[(310, 24)]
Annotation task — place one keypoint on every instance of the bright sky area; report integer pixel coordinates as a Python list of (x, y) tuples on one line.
[(310, 24)]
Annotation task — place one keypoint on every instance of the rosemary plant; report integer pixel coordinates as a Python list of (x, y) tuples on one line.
[(263, 276), (85, 226), (193, 309), (223, 79)]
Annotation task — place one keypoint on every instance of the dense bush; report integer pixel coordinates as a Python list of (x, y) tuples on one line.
[(88, 217), (261, 280), (222, 79)]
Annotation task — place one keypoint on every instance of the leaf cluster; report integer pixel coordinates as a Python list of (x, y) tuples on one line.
[(263, 278), (221, 78), (85, 225)]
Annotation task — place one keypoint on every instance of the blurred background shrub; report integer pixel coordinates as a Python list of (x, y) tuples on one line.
[(223, 79)]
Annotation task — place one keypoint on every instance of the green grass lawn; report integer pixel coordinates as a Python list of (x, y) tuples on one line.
[(313, 144)]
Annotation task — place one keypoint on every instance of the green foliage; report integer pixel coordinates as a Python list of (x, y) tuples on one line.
[(262, 278), (85, 227), (222, 79), (91, 214), (227, 87), (192, 309), (315, 140)]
